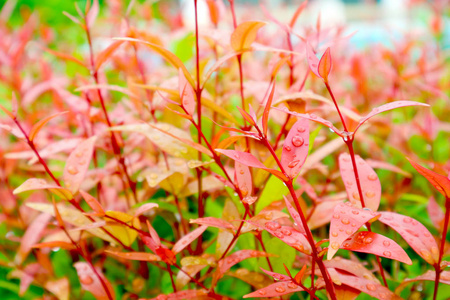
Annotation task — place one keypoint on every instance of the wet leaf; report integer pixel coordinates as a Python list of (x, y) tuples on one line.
[(275, 290), (440, 182), (187, 94), (77, 164), (268, 106), (186, 294), (387, 107), (277, 276), (212, 222), (370, 184), (38, 126), (93, 203), (313, 61), (345, 222), (188, 239), (90, 281), (55, 244), (295, 148), (40, 184), (243, 179), (141, 256), (144, 208), (369, 287), (350, 266), (245, 34), (374, 243), (124, 233), (429, 275), (414, 233), (295, 215)]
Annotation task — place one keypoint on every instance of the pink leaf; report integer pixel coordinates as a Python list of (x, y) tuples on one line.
[(387, 107), (141, 256), (350, 266), (244, 158), (103, 56), (38, 126), (188, 238), (91, 282), (78, 163), (277, 276), (322, 214), (440, 182), (346, 221), (92, 14), (187, 294), (313, 118), (276, 289), (374, 243), (295, 215), (430, 275), (414, 233), (295, 148), (143, 208), (287, 234), (370, 184), (40, 184), (436, 214), (93, 203), (243, 179), (370, 287), (187, 94), (213, 222), (31, 236), (313, 61)]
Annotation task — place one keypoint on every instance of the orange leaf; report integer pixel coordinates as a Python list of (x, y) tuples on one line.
[(325, 64), (55, 244), (142, 256), (440, 182), (38, 126), (245, 34), (106, 53), (93, 203)]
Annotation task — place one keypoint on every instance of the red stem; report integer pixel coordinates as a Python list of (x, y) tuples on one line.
[(437, 266)]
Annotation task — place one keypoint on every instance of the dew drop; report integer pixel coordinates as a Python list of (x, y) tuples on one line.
[(273, 225), (87, 280), (262, 292), (425, 254), (313, 116), (286, 231), (236, 156), (153, 176), (241, 172), (279, 234), (345, 221), (387, 253), (382, 296), (407, 220), (292, 164), (348, 231), (299, 247), (371, 287), (334, 233), (336, 216), (287, 148), (368, 240), (79, 154), (301, 129), (297, 141), (280, 289), (72, 170), (386, 243), (335, 245), (370, 194), (372, 177), (355, 196), (292, 285), (355, 212)]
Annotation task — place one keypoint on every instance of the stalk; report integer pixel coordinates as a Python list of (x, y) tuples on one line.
[(437, 266)]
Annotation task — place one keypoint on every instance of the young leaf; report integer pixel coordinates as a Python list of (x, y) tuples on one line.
[(141, 256), (295, 148), (124, 233), (276, 289), (387, 107), (187, 94), (144, 208), (277, 276), (91, 282), (370, 184), (265, 117), (297, 13), (325, 64), (244, 158), (38, 126), (414, 233), (287, 234), (78, 163), (313, 61), (244, 35), (243, 179), (188, 239), (295, 215), (40, 184), (346, 221), (213, 222), (31, 236), (92, 13), (369, 287), (440, 182), (374, 243), (246, 116), (103, 56), (93, 203)]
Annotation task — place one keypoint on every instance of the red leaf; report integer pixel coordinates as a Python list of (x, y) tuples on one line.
[(370, 184), (244, 158), (265, 117), (295, 215), (143, 208), (187, 95), (40, 184), (313, 61), (38, 126), (213, 222), (297, 14), (188, 238), (141, 256), (369, 287), (322, 214), (78, 163), (295, 148), (187, 294), (103, 56), (93, 203), (287, 234), (346, 221), (31, 236), (325, 65), (430, 275), (277, 276), (243, 179), (247, 116), (414, 233), (440, 182), (350, 266), (374, 243), (436, 214), (275, 290), (90, 281), (387, 107), (312, 117)]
